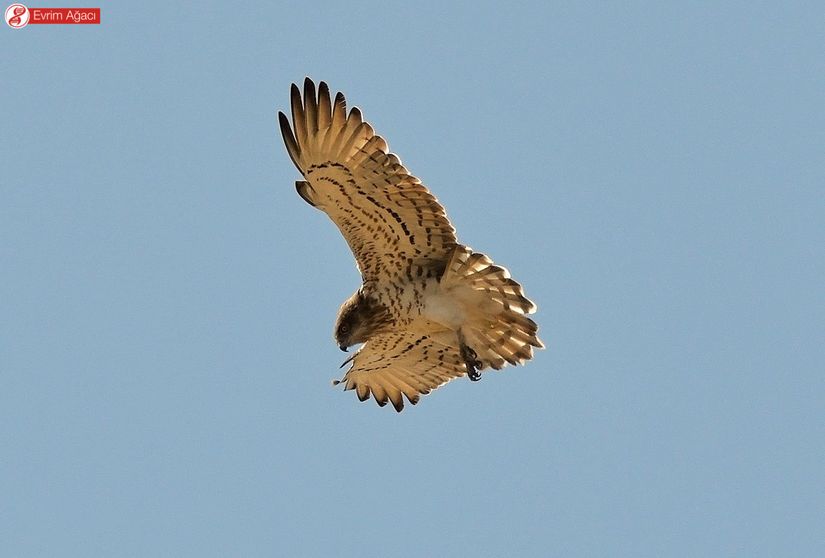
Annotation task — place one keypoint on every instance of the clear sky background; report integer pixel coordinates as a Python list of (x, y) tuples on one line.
[(652, 173)]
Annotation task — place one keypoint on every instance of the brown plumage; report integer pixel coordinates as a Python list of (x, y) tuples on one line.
[(429, 309)]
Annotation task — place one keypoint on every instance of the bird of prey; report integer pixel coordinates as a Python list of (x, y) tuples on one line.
[(429, 309)]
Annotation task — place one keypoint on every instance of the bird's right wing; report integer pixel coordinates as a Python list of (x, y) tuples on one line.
[(391, 221), (392, 364)]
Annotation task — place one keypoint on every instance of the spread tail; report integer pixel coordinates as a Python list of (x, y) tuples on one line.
[(497, 327)]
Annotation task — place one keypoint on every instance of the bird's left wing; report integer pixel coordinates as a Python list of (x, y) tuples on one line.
[(392, 223), (392, 364)]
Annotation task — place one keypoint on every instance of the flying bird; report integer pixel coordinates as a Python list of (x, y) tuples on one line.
[(429, 309)]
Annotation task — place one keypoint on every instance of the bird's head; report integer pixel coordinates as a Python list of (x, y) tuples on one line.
[(359, 318)]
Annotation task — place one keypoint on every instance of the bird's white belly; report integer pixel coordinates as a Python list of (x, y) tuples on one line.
[(443, 309)]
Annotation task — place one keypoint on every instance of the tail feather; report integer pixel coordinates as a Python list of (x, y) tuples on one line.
[(499, 330)]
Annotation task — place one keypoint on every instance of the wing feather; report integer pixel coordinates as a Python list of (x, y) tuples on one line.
[(289, 139), (388, 218), (310, 105), (339, 118), (324, 107), (298, 118), (401, 363)]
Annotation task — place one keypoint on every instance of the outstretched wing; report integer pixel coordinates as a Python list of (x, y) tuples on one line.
[(392, 364), (389, 219)]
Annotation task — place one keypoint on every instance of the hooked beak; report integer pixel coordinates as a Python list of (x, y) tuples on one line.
[(343, 348)]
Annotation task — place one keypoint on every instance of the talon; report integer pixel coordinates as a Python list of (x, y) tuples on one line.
[(471, 362)]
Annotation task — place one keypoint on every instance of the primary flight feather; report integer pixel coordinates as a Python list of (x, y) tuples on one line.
[(429, 309)]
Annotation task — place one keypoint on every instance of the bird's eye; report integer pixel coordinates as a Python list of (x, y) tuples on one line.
[(344, 328)]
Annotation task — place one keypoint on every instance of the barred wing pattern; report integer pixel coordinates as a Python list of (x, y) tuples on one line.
[(388, 218), (393, 364), (461, 312)]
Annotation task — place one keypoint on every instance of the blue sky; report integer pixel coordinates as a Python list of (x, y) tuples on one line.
[(652, 173)]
